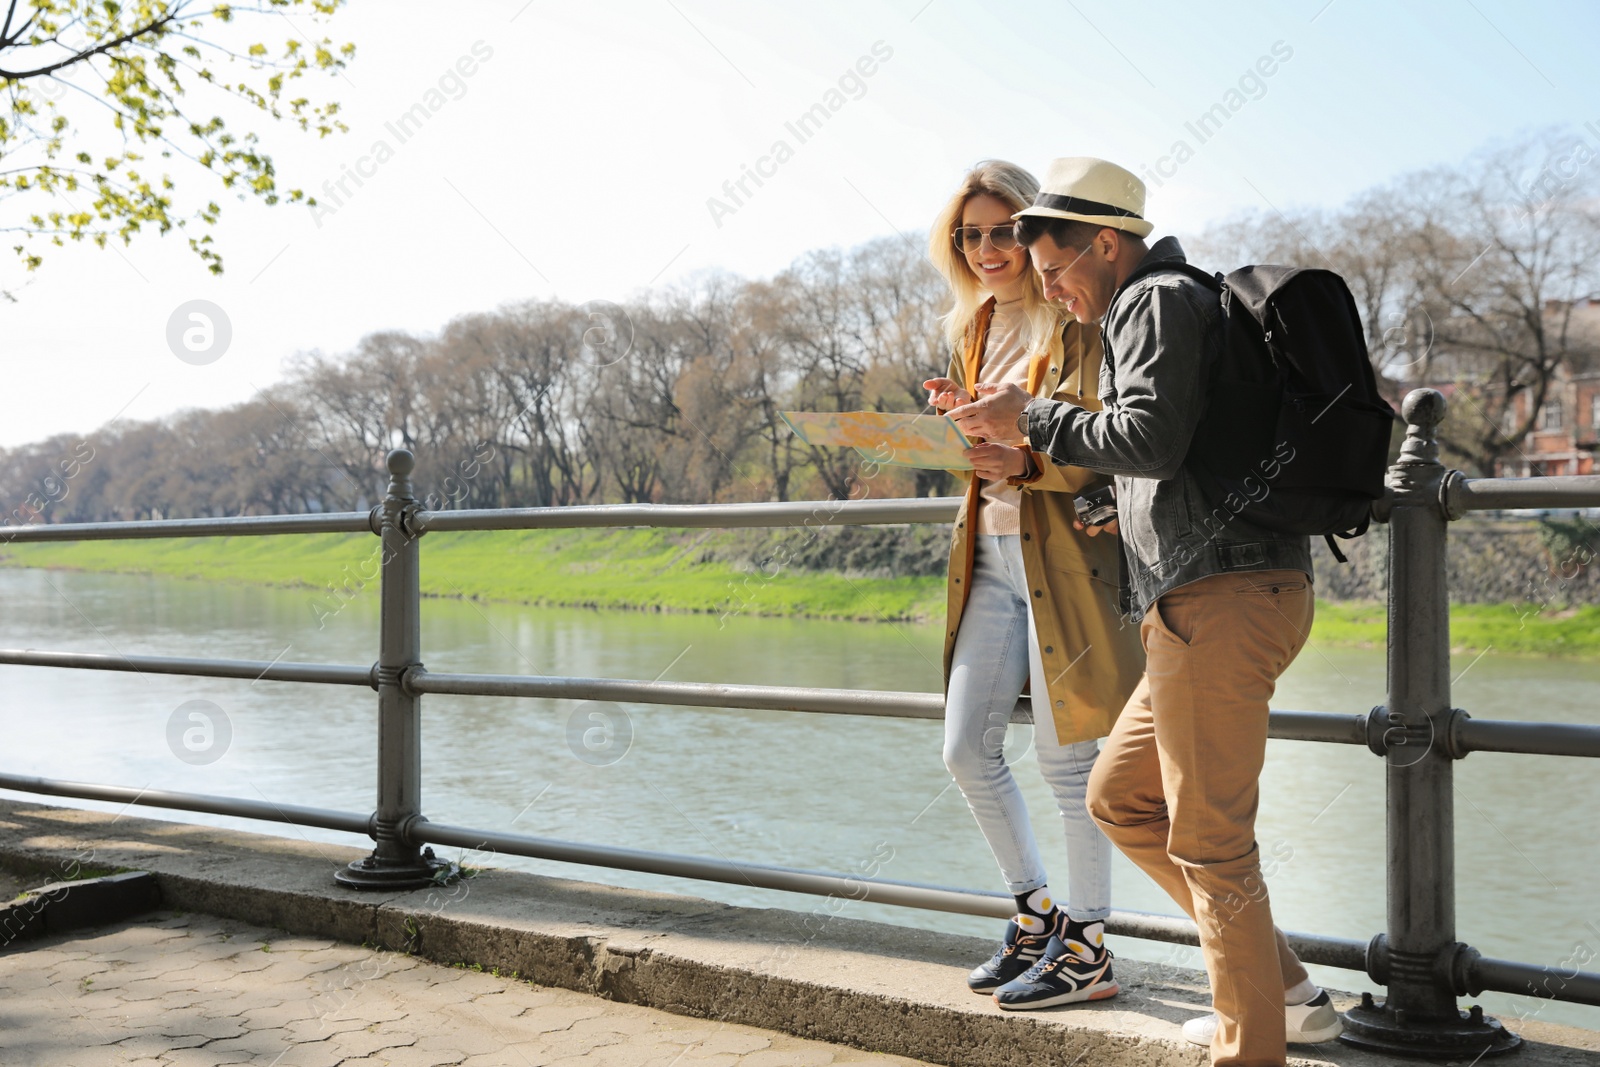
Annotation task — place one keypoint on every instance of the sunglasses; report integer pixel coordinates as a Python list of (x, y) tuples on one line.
[(1003, 237)]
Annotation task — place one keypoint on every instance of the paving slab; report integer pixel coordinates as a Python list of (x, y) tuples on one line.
[(817, 976), (362, 1014)]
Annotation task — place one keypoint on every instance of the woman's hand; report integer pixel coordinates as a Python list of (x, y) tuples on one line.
[(994, 462), (946, 393)]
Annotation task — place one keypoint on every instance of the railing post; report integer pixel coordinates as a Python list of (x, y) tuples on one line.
[(1419, 959), (395, 862)]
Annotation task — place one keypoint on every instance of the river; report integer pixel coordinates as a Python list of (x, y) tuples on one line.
[(824, 791)]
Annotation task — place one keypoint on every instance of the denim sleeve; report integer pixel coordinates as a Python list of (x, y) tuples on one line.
[(1160, 355)]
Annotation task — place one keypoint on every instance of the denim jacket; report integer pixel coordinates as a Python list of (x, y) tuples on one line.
[(1162, 334)]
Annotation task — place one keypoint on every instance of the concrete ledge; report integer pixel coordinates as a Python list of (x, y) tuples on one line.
[(814, 975), (73, 905)]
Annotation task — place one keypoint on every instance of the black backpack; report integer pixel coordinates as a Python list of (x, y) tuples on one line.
[(1295, 435)]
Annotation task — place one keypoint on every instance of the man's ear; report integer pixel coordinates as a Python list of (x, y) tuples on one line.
[(1109, 244)]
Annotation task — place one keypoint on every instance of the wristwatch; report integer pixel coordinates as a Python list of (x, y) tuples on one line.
[(1022, 424)]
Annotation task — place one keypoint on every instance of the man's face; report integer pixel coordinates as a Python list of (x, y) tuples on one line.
[(1083, 279)]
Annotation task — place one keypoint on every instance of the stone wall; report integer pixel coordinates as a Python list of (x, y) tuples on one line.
[(1549, 563)]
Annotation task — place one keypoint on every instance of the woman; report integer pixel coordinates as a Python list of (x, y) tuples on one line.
[(1031, 601)]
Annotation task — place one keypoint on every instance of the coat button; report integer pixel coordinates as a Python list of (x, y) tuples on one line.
[(1027, 537), (1038, 592), (1274, 589), (958, 581), (1094, 572), (1048, 649), (1061, 703)]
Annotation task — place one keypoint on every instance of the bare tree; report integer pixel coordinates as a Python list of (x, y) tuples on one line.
[(352, 409), (901, 297), (1507, 249), (822, 336), (771, 381)]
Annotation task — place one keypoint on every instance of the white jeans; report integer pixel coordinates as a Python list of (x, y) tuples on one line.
[(996, 650)]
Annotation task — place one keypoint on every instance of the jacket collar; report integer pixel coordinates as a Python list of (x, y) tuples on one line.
[(1164, 252), (977, 334)]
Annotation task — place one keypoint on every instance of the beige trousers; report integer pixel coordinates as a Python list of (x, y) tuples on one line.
[(1177, 785)]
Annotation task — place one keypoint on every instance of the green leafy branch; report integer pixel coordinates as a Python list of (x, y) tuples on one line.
[(135, 63)]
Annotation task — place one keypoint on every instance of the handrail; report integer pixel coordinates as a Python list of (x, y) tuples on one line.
[(1418, 732), (1533, 738), (807, 513), (1329, 727), (878, 512), (255, 670), (691, 694), (1479, 973), (1317, 948), (1462, 494), (243, 807), (228, 526), (1331, 951), (1465, 734)]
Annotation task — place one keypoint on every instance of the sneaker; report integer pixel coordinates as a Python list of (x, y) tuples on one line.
[(1067, 974), (1304, 1024), (1016, 954)]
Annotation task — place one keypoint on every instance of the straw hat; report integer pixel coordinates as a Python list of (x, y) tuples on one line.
[(1091, 190)]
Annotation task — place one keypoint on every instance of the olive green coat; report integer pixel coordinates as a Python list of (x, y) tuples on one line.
[(1092, 657)]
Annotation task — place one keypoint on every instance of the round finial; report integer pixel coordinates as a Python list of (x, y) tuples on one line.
[(401, 462), (1424, 407)]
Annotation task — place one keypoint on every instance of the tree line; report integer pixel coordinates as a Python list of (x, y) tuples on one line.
[(1467, 275), (671, 397)]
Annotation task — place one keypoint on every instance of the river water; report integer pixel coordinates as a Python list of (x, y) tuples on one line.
[(831, 792)]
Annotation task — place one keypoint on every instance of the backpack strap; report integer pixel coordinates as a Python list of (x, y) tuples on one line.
[(1144, 270), (1347, 535), (1212, 282)]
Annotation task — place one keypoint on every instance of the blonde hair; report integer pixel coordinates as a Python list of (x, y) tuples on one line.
[(1012, 185)]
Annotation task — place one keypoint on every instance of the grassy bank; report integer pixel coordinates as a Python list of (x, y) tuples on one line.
[(688, 571), (641, 569), (1512, 629)]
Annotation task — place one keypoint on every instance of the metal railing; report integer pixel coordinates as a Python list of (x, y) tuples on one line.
[(1417, 959)]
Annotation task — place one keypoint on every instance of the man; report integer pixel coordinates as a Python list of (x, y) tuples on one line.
[(1222, 612)]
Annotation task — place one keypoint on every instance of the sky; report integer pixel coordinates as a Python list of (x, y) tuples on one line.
[(589, 152)]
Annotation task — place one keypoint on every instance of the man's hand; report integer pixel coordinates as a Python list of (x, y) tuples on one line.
[(993, 416), (1095, 531), (993, 462), (945, 393)]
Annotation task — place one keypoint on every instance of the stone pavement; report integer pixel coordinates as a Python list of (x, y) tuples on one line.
[(815, 975), (195, 991)]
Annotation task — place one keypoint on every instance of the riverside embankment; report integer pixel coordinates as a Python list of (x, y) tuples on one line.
[(1519, 587)]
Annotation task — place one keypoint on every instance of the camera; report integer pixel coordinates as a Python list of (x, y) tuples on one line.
[(1096, 507)]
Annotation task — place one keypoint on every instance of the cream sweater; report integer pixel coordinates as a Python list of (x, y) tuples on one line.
[(1005, 359)]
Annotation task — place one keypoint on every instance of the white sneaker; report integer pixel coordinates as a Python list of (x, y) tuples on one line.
[(1304, 1024)]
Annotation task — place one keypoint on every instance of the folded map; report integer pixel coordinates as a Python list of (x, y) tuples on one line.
[(931, 442)]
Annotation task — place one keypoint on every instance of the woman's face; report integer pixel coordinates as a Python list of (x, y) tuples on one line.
[(1002, 273)]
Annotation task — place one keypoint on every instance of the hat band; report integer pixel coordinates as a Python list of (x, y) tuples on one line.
[(1080, 206)]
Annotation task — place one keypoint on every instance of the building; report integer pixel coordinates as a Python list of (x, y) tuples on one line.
[(1566, 436)]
